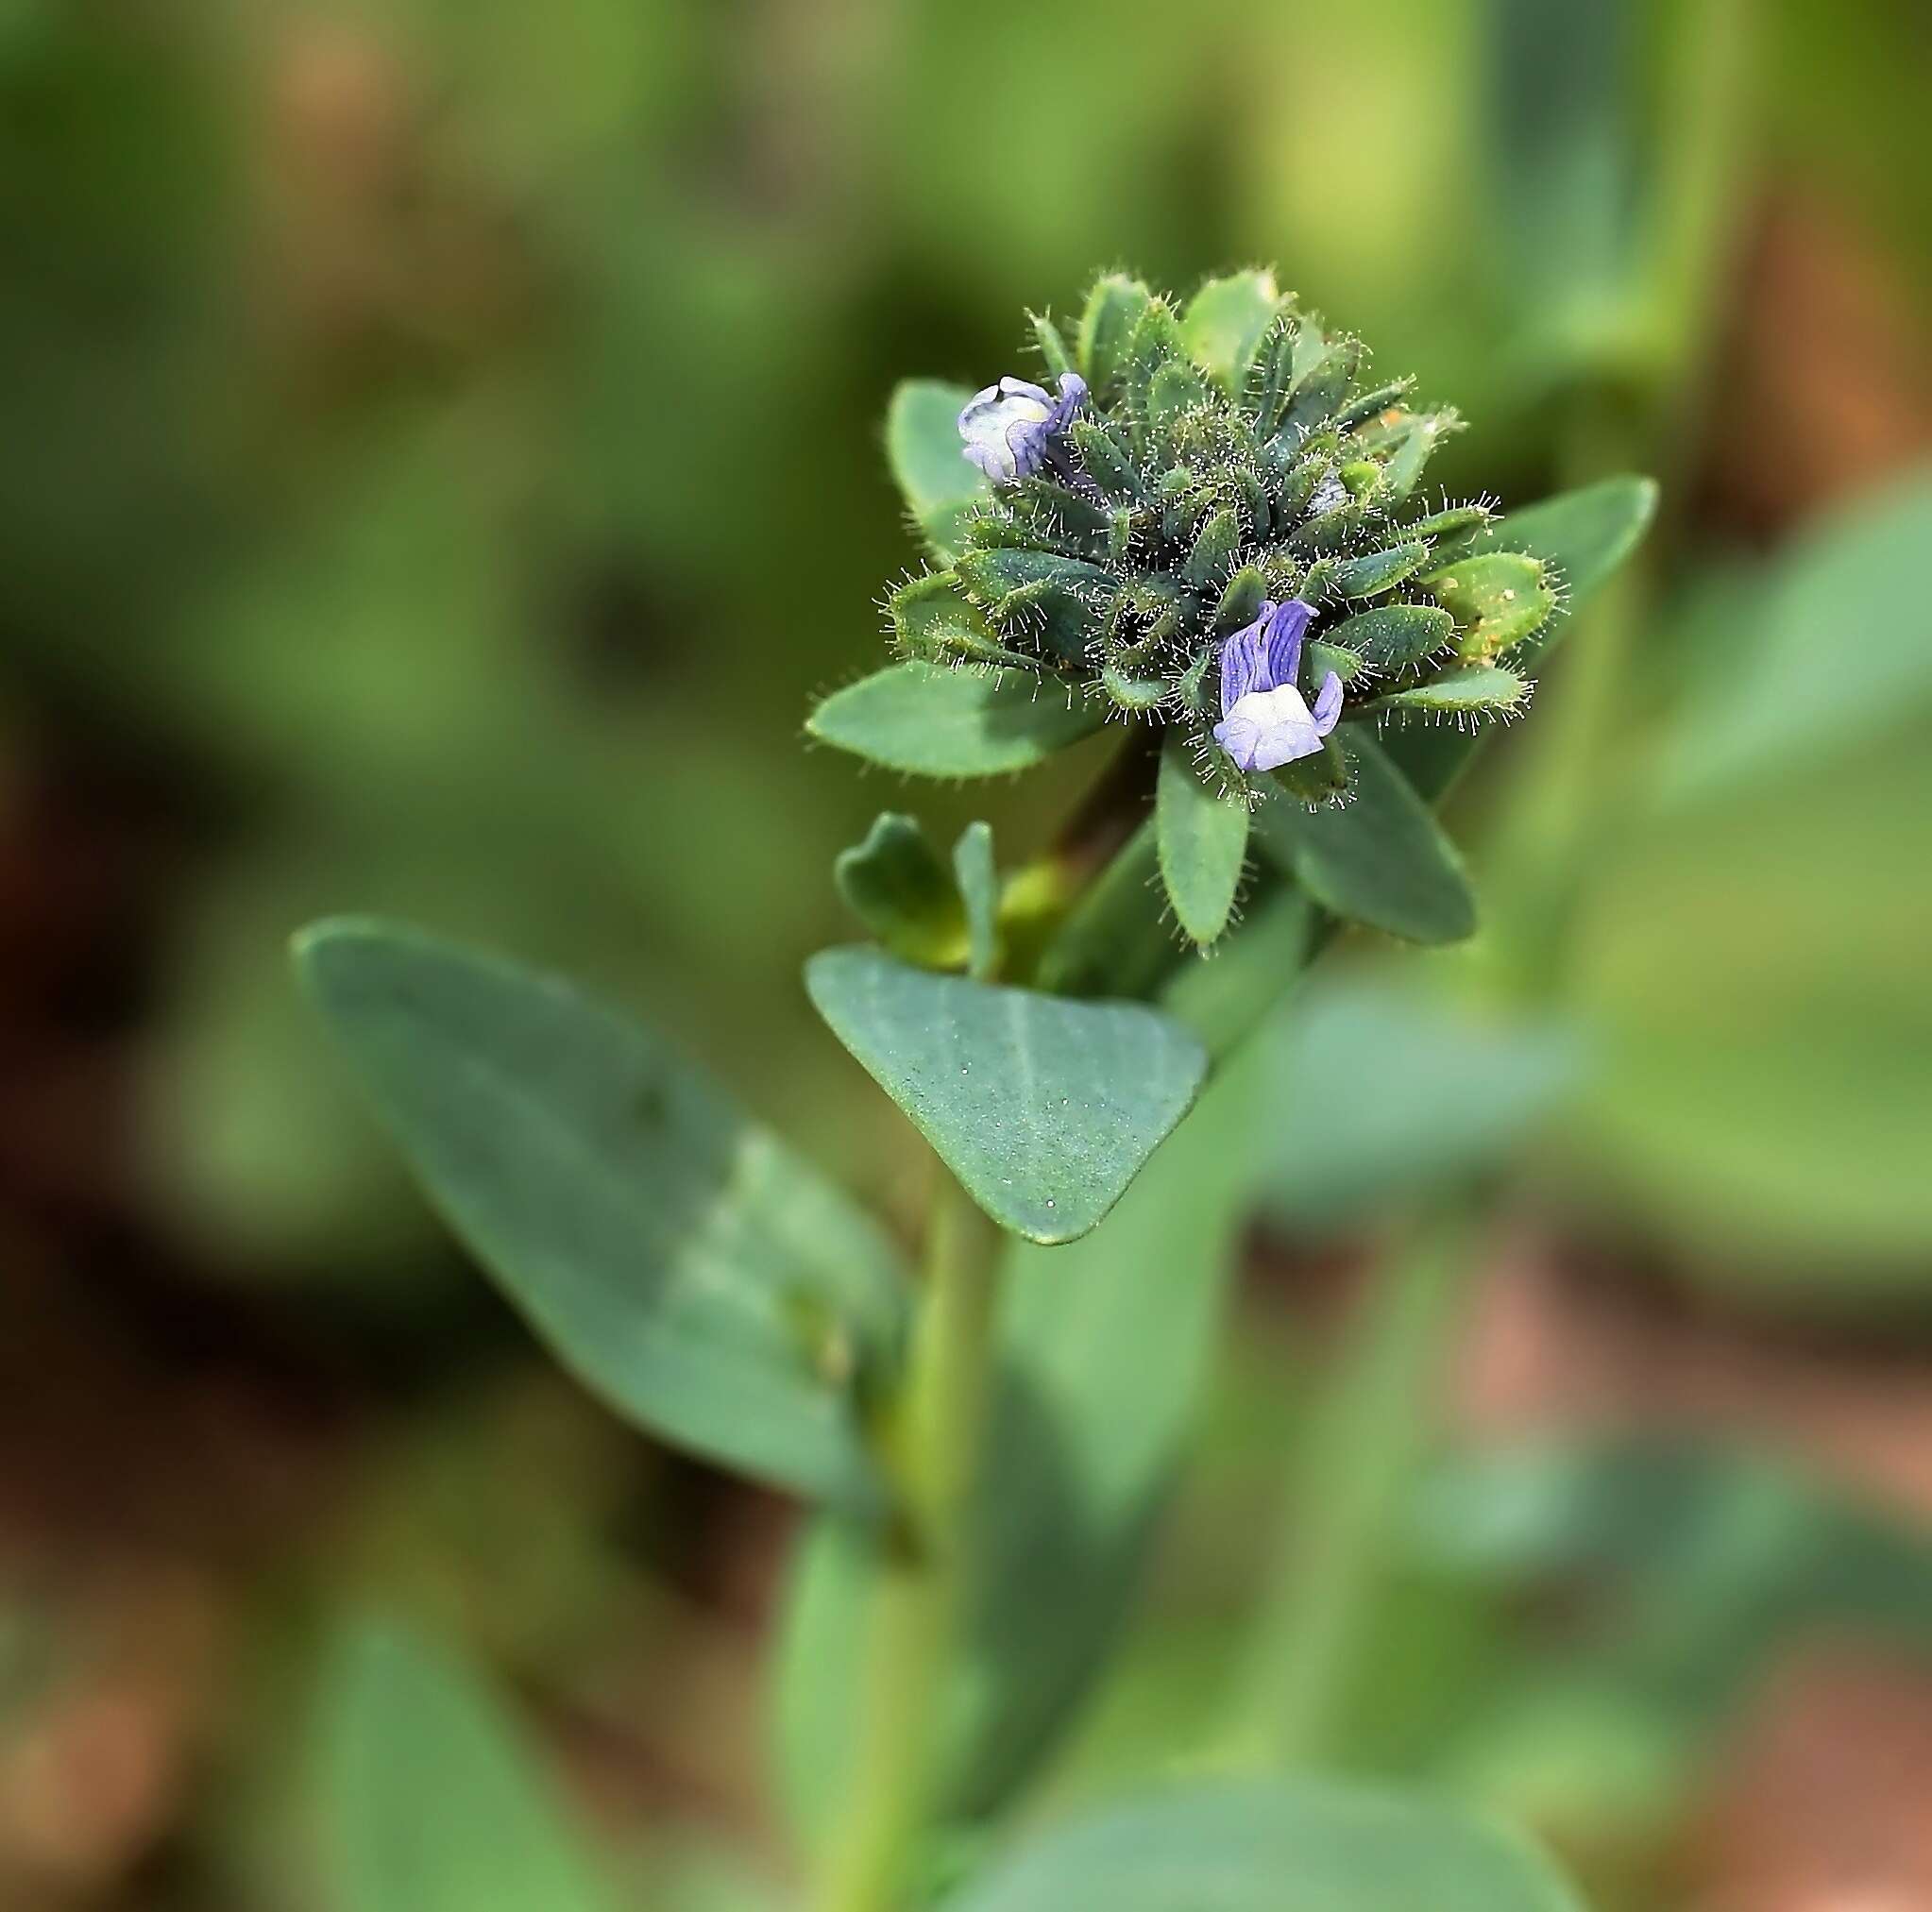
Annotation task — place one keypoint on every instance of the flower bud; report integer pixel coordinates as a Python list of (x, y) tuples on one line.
[(1008, 427)]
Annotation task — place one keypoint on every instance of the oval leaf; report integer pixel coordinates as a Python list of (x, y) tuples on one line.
[(1382, 860), (930, 720), (1273, 1846), (1045, 1108), (926, 454), (1584, 535), (431, 1803), (1203, 842), (701, 1279)]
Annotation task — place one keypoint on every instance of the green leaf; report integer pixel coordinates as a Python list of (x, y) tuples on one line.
[(429, 1799), (1582, 535), (980, 888), (1203, 843), (930, 721), (1046, 1109), (1387, 1096), (1756, 964), (1382, 858), (895, 884), (1104, 1349), (1225, 321), (1843, 631), (1298, 1845), (923, 447), (684, 1265)]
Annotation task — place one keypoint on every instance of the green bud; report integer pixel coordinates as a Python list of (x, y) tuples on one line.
[(1335, 531), (1396, 637), (1134, 691), (1457, 522), (1497, 598), (1153, 343), (1361, 476), (1408, 447), (1375, 571), (1191, 690), (1241, 602), (896, 885), (1482, 690), (1145, 612), (1104, 458), (1320, 391), (1323, 658), (1214, 549), (1177, 388), (1114, 310), (932, 619), (1053, 348), (1057, 515), (1383, 399), (1254, 501), (1271, 376)]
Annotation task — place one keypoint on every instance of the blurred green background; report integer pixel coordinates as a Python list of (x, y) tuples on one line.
[(441, 463)]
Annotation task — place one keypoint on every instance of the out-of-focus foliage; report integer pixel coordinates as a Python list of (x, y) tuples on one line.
[(1754, 954), (444, 463), (432, 1803)]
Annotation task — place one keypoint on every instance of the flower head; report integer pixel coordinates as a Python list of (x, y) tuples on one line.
[(1008, 428), (1264, 721)]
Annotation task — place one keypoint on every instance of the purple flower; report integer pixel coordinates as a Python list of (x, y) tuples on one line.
[(1007, 427), (1264, 721)]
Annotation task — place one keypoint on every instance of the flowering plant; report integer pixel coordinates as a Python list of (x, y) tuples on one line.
[(1209, 530)]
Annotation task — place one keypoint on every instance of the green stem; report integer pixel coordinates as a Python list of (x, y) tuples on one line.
[(918, 1593), (1345, 1495)]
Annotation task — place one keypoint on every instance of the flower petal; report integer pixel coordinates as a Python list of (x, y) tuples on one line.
[(1328, 703), (1283, 643), (1268, 728)]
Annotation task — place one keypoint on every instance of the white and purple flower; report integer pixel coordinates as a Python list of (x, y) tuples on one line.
[(1008, 428), (1266, 722)]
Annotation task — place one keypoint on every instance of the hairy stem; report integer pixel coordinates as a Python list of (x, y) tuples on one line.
[(917, 1594)]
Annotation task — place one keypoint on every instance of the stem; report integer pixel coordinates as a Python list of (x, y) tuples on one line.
[(1345, 1492), (917, 1595)]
